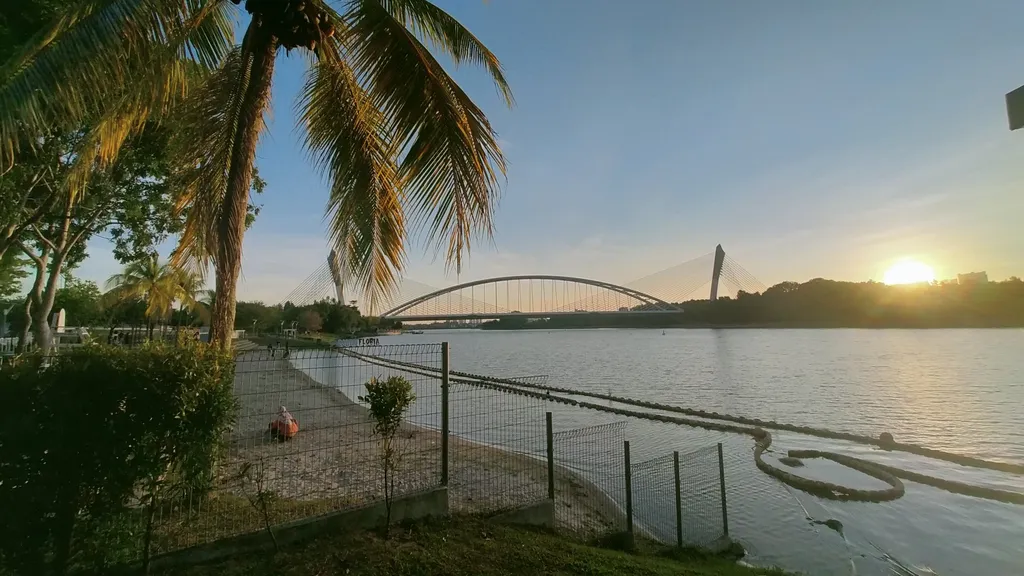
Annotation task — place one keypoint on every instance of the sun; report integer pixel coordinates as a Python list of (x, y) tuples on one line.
[(909, 272)]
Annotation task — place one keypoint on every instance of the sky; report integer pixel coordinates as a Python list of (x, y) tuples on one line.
[(810, 139)]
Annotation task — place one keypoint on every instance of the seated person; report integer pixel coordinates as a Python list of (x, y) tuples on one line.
[(285, 426)]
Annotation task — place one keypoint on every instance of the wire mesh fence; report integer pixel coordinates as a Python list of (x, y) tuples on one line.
[(333, 462), (496, 441), (702, 496), (673, 499), (654, 488), (590, 490), (677, 498), (491, 445)]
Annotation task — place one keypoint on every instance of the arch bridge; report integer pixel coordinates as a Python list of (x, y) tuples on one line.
[(528, 296), (544, 295)]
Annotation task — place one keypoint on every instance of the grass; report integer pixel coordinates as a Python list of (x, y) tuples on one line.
[(226, 515), (464, 546)]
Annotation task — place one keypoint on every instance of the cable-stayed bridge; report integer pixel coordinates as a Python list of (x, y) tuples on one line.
[(546, 295)]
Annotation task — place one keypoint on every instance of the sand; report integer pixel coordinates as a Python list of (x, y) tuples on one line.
[(334, 457)]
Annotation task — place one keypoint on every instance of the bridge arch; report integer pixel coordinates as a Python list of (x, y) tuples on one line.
[(646, 299)]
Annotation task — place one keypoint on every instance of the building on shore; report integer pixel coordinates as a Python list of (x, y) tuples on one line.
[(972, 278)]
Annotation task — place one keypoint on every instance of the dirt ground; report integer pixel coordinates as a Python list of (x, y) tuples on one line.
[(334, 456)]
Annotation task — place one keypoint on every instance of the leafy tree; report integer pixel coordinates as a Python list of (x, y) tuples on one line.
[(82, 302), (24, 196), (341, 319), (381, 116), (309, 320), (257, 316), (13, 270), (388, 401), (129, 199)]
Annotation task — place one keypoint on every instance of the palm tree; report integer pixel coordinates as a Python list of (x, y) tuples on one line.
[(382, 118), (160, 285), (204, 304)]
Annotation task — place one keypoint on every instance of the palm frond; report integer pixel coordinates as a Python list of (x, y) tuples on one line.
[(70, 71), (156, 89), (451, 160), (159, 284), (346, 138), (448, 35), (208, 121)]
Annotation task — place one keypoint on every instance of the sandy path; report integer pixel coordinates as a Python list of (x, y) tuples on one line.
[(334, 456)]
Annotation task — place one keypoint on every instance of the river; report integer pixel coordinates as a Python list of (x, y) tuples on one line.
[(956, 390)]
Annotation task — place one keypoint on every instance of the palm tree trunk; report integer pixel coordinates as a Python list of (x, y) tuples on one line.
[(260, 49)]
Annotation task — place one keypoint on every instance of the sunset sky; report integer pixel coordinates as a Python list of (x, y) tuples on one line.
[(810, 139)]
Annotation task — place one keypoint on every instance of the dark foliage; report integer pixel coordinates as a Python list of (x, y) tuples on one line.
[(90, 440)]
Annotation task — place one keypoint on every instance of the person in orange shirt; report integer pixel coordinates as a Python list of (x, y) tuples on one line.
[(285, 426)]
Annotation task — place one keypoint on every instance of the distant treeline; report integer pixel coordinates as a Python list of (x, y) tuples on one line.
[(327, 316), (824, 303)]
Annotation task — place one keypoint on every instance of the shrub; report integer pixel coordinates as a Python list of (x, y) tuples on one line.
[(90, 438), (388, 401)]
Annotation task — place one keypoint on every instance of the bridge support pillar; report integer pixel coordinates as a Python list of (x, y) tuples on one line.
[(716, 272), (332, 262)]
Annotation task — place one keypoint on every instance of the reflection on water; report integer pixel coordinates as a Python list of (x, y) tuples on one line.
[(955, 390)]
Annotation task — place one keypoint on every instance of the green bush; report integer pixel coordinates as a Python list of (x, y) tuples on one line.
[(388, 400), (89, 440)]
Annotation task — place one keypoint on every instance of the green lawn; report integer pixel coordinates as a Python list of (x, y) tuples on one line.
[(464, 546)]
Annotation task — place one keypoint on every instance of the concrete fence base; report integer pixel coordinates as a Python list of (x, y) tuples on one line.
[(411, 507), (539, 514)]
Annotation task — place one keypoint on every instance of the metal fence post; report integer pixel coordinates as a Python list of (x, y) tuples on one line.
[(721, 485), (679, 501), (551, 458), (444, 413), (629, 489)]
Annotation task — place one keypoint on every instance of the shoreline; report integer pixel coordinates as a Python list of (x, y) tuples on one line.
[(753, 326), (334, 455)]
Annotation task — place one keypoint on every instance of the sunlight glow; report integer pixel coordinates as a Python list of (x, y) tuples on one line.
[(909, 272)]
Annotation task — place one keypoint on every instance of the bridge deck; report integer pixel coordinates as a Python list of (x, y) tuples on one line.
[(498, 315)]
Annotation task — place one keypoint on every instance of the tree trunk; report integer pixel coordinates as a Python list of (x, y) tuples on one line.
[(41, 332), (260, 49), (43, 305), (32, 301), (26, 326)]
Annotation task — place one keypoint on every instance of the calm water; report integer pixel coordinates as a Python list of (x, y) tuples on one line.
[(956, 390)]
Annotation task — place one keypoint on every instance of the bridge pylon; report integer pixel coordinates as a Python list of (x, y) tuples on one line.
[(716, 272), (332, 263)]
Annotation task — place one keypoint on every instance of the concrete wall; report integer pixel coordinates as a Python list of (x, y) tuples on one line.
[(540, 514), (414, 506)]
